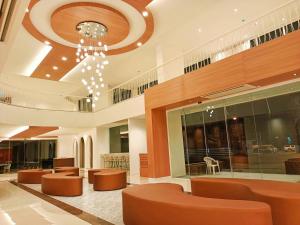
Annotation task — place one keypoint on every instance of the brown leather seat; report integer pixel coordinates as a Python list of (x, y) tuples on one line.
[(167, 204), (74, 170), (62, 184), (91, 173), (283, 197), (63, 162), (110, 180), (32, 176)]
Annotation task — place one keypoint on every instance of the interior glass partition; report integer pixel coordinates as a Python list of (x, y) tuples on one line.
[(27, 154), (254, 135)]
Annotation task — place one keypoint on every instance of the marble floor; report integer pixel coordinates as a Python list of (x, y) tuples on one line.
[(18, 207), (104, 205)]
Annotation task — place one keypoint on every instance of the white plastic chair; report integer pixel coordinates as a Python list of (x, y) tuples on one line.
[(211, 165)]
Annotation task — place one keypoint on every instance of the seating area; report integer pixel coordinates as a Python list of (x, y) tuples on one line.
[(62, 184), (167, 204), (282, 197), (107, 179), (31, 176)]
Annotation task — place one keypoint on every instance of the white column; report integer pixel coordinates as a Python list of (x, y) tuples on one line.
[(137, 143), (101, 146), (176, 148), (65, 146)]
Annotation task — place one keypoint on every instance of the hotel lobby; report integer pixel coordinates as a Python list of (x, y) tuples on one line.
[(149, 112)]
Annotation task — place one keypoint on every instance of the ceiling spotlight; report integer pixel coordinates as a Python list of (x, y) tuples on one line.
[(92, 78), (105, 62), (81, 41), (88, 100), (100, 74), (97, 86), (295, 74), (101, 79), (99, 43), (27, 10), (235, 10), (98, 93), (139, 44), (89, 67), (91, 91), (93, 105), (78, 60), (283, 19), (48, 75), (83, 70), (102, 67), (47, 42), (199, 30), (102, 85), (145, 13), (55, 67), (64, 58)]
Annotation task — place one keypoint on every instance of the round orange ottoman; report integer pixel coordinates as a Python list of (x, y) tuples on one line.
[(91, 173), (32, 176), (74, 170), (110, 180), (62, 184)]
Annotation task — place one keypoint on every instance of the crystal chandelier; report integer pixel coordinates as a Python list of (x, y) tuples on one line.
[(91, 53)]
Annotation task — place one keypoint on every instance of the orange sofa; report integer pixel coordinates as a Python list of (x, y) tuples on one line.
[(74, 170), (32, 176), (283, 197), (167, 204), (62, 162), (62, 184), (108, 180)]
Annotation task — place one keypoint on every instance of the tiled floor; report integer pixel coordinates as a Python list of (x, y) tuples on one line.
[(105, 205), (22, 208)]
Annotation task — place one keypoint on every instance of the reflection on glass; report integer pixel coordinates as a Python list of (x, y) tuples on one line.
[(15, 155), (251, 136)]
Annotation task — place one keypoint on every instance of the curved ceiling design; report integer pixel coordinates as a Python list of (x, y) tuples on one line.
[(65, 19), (125, 29)]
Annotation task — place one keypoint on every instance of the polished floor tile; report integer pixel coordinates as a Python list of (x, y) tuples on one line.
[(18, 207)]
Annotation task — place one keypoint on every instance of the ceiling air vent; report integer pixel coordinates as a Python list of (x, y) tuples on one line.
[(230, 91), (6, 11)]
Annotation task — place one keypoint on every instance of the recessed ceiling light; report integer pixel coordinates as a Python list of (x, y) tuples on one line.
[(283, 19), (295, 74), (47, 42), (145, 13), (64, 58), (48, 75), (235, 10), (139, 44), (27, 10), (55, 67), (199, 30)]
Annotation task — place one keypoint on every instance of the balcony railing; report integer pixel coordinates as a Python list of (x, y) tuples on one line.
[(272, 25)]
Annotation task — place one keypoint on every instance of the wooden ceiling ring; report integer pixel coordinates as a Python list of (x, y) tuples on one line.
[(59, 50), (65, 19)]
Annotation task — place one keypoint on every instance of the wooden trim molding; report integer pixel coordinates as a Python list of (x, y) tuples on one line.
[(270, 63), (34, 131)]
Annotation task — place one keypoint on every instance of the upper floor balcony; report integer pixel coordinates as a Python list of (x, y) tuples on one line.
[(252, 34)]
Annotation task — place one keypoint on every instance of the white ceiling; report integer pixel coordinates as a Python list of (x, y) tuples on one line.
[(177, 25)]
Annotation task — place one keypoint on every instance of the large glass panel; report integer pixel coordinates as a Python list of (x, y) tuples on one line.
[(243, 138), (277, 121), (194, 143), (16, 155)]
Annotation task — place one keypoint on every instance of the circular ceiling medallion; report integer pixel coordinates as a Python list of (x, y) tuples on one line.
[(65, 20)]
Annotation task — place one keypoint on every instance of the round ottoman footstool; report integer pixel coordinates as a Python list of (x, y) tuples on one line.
[(33, 176), (110, 180), (74, 170)]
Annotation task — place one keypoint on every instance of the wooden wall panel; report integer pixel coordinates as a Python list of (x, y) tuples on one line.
[(33, 131), (270, 63)]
